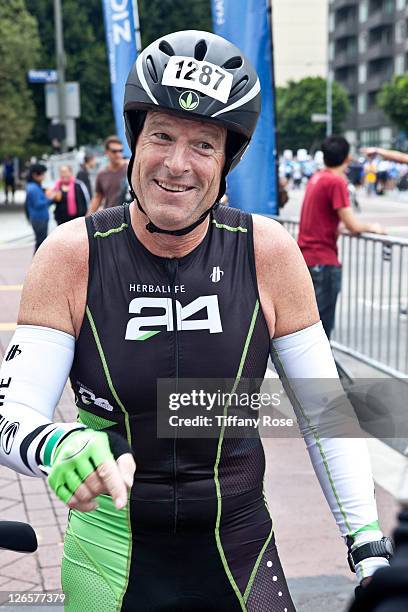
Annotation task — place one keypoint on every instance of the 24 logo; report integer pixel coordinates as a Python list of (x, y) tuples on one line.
[(209, 303)]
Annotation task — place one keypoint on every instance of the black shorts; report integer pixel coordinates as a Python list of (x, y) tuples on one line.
[(134, 560)]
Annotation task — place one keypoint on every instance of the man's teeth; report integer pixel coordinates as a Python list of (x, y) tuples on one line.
[(171, 187)]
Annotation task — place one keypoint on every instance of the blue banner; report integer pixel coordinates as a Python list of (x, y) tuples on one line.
[(120, 17), (252, 186)]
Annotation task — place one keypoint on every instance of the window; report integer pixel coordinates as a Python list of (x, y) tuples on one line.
[(369, 138), (362, 73), (399, 64), (372, 100), (331, 22), (385, 137), (352, 46), (331, 51), (388, 6), (363, 11), (362, 103)]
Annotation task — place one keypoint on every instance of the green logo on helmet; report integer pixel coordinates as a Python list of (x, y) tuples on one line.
[(189, 100)]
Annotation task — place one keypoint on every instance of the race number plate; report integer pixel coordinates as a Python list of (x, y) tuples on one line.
[(190, 73)]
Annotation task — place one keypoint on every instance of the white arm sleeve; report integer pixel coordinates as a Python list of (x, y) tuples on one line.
[(33, 374), (342, 465)]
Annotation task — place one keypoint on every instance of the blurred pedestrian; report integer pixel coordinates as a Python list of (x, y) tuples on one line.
[(297, 174), (327, 203), (9, 179), (355, 172), (111, 182), (370, 176), (71, 196), (37, 202), (83, 172), (382, 176)]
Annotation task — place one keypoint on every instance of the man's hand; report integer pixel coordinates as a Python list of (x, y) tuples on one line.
[(88, 463), (377, 228)]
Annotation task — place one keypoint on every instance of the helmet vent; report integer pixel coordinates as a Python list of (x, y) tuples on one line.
[(200, 50), (166, 48), (233, 63), (151, 68), (238, 86)]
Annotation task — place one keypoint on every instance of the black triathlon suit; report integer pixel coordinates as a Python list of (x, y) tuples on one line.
[(196, 534)]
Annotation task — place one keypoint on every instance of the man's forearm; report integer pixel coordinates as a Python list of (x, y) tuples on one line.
[(392, 155), (327, 422), (32, 377)]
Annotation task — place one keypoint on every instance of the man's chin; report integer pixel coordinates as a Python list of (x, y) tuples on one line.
[(171, 224), (170, 219)]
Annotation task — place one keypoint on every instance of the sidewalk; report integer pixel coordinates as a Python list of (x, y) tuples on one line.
[(23, 498), (15, 229), (312, 553)]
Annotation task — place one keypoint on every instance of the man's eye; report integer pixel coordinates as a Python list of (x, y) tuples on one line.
[(162, 136), (205, 146)]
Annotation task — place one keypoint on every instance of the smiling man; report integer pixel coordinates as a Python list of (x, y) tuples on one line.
[(177, 168), (173, 286)]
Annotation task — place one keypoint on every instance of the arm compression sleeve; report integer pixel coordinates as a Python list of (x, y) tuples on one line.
[(34, 371), (342, 464)]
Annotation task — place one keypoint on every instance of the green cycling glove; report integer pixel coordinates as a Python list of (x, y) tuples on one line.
[(78, 455)]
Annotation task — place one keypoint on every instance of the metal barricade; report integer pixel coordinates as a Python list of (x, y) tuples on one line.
[(371, 313)]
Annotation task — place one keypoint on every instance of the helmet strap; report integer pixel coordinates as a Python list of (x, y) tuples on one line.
[(154, 229)]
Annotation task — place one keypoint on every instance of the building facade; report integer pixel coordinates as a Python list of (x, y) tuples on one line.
[(367, 46), (299, 39)]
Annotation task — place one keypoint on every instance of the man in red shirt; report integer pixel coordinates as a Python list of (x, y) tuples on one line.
[(325, 205)]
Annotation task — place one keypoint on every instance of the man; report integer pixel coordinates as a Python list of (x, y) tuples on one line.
[(9, 180), (83, 173), (172, 287), (325, 205), (111, 181)]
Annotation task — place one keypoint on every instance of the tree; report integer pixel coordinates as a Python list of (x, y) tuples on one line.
[(87, 63), (87, 58), (159, 17), (393, 99), (295, 105), (19, 47)]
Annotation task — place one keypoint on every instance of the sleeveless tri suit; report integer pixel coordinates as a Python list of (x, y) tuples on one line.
[(196, 534)]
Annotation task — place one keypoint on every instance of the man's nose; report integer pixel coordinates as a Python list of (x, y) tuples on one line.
[(177, 160)]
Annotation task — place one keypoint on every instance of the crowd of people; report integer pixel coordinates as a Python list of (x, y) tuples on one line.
[(376, 171), (373, 170), (75, 196)]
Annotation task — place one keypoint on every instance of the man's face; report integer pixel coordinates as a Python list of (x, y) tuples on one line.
[(114, 152), (177, 169)]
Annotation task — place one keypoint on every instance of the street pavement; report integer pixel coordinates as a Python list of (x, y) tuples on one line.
[(312, 553)]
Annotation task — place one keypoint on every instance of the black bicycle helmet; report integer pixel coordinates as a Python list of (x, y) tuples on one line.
[(234, 103)]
